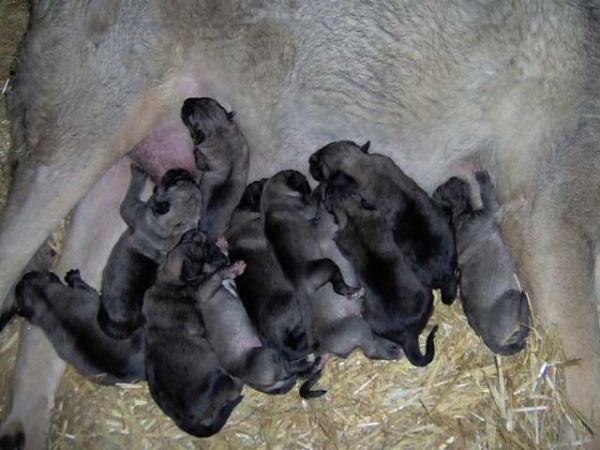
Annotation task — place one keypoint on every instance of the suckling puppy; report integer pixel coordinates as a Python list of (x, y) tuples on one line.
[(397, 303), (154, 228), (234, 340), (67, 315), (221, 154), (268, 297), (288, 222), (494, 304), (185, 377), (419, 227), (287, 215), (339, 326)]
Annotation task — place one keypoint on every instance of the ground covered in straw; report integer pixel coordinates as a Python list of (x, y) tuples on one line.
[(466, 398)]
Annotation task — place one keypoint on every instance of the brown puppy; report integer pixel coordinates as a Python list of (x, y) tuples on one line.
[(495, 305), (272, 306), (154, 229), (67, 315), (221, 152), (184, 375)]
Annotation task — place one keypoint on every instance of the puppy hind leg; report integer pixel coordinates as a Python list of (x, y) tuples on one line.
[(325, 270)]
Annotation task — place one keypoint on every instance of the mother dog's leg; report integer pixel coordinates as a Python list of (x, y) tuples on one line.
[(95, 228), (83, 96), (556, 262)]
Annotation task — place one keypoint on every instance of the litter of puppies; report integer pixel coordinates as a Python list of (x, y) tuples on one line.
[(168, 291)]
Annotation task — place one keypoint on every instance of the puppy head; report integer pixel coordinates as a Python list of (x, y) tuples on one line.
[(193, 256), (251, 198), (453, 196), (339, 162), (31, 288), (287, 186), (176, 203), (212, 412), (205, 118)]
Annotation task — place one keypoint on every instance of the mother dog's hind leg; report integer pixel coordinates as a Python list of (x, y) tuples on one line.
[(556, 261), (95, 228)]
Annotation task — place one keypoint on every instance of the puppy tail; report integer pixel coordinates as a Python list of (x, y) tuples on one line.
[(305, 389), (410, 344)]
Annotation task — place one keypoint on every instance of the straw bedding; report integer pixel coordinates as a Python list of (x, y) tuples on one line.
[(466, 398)]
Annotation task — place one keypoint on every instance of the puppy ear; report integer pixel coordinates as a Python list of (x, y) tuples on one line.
[(365, 147), (230, 115), (298, 182), (366, 205)]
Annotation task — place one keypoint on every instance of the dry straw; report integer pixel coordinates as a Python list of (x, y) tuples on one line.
[(466, 398)]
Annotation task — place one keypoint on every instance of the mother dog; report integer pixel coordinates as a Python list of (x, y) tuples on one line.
[(443, 88)]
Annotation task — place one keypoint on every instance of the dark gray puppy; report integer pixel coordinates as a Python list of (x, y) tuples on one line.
[(288, 221), (154, 228), (419, 227), (234, 340), (67, 315), (339, 326), (495, 305), (397, 303), (184, 375), (221, 154), (269, 298), (287, 215)]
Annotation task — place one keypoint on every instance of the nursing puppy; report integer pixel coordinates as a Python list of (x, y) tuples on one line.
[(67, 314), (233, 338), (185, 377), (221, 154), (339, 326), (397, 305), (287, 215), (154, 228), (495, 306), (269, 298), (419, 227)]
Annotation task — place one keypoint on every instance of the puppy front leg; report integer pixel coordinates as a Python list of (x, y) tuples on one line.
[(74, 280), (325, 270), (132, 203), (489, 199), (209, 288)]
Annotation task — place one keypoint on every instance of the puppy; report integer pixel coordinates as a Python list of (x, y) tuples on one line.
[(184, 375), (339, 326), (221, 153), (420, 229), (398, 303), (494, 304), (67, 315), (268, 297), (154, 228)]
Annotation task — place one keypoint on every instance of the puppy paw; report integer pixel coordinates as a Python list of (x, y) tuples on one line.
[(223, 245), (360, 293), (72, 277), (235, 270), (483, 177)]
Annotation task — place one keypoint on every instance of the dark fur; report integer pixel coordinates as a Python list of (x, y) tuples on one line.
[(368, 194), (184, 375), (154, 228), (419, 227), (221, 153), (67, 315), (493, 302), (269, 298)]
